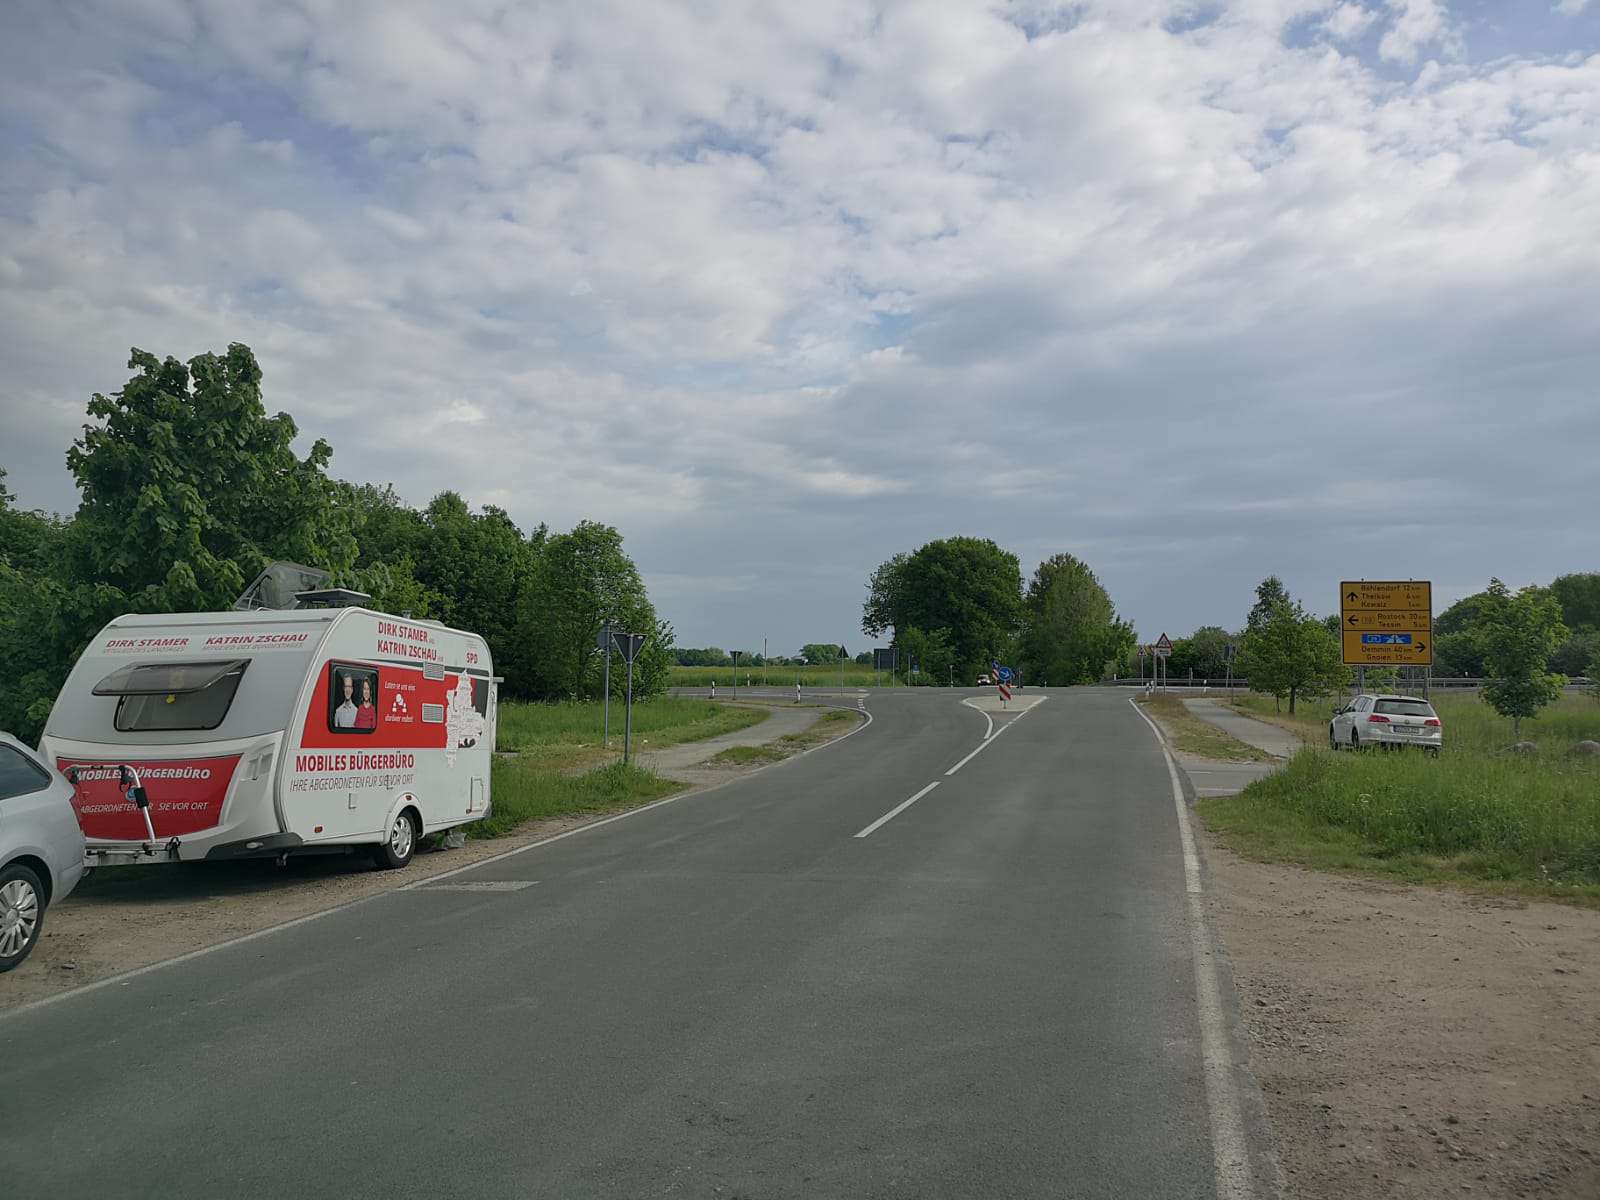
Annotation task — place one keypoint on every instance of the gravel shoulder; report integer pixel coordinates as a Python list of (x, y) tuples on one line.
[(129, 918), (1416, 1042)]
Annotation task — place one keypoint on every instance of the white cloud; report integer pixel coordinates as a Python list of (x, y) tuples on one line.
[(1349, 21), (1416, 23), (819, 285), (1571, 8)]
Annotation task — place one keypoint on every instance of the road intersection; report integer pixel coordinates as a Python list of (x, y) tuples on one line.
[(960, 953)]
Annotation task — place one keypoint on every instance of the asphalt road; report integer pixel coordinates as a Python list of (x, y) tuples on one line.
[(729, 995)]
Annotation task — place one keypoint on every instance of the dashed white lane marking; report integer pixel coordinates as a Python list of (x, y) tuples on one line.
[(989, 741), (1229, 1154), (897, 810)]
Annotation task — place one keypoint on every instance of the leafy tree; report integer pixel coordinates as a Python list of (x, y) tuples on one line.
[(1574, 655), (864, 659), (1458, 653), (583, 578), (710, 656), (930, 652), (1205, 652), (1520, 631), (1071, 630), (1579, 597), (189, 488), (968, 586), (478, 566), (822, 652), (1461, 617), (1290, 653), (1270, 593), (29, 541)]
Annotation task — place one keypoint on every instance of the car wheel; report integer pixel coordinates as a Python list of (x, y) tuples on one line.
[(1333, 740), (395, 851), (21, 914), (1355, 740)]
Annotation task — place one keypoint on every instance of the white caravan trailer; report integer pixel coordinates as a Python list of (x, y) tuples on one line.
[(264, 733)]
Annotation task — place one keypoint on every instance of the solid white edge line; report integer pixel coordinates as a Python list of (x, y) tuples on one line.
[(123, 977), (987, 740), (897, 810), (989, 731), (1229, 1148)]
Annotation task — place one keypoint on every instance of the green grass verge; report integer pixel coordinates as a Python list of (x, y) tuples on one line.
[(1469, 723), (1189, 733), (784, 677), (834, 722), (569, 734), (1500, 823), (524, 790)]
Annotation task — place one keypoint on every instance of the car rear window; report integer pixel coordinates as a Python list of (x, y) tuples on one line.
[(20, 775), (1405, 708)]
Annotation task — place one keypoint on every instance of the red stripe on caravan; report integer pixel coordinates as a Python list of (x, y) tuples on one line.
[(186, 796)]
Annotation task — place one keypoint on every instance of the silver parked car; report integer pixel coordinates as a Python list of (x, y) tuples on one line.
[(41, 847), (1371, 720)]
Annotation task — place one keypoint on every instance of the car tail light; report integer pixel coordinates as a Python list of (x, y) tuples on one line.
[(1375, 719), (1434, 722)]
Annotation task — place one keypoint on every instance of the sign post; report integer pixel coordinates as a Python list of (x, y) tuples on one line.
[(1163, 651), (1386, 623), (602, 641), (628, 645)]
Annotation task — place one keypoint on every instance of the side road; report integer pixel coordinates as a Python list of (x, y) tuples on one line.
[(1275, 740), (148, 915)]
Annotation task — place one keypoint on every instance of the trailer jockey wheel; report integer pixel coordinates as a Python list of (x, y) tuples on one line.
[(395, 851)]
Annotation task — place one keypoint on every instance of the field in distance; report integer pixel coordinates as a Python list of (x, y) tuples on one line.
[(848, 675)]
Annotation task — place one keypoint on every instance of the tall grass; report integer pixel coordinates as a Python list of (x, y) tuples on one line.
[(1469, 722), (664, 720), (523, 791), (1475, 813), (1492, 817)]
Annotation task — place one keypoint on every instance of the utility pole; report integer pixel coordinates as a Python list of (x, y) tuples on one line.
[(735, 654)]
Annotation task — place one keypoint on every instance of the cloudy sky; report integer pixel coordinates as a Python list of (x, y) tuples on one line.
[(1196, 291)]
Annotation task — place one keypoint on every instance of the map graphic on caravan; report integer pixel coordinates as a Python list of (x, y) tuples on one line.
[(269, 732)]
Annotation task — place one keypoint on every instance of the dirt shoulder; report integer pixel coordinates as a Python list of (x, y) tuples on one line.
[(1416, 1042), (120, 920)]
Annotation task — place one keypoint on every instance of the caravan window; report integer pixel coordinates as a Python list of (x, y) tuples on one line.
[(172, 696), (352, 698)]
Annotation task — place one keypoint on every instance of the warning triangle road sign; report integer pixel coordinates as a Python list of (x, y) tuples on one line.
[(1163, 642)]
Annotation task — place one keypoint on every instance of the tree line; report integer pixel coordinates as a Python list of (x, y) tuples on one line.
[(188, 489), (811, 654), (957, 604), (1523, 644)]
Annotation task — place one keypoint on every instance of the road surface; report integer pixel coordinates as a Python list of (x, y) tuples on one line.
[(765, 990)]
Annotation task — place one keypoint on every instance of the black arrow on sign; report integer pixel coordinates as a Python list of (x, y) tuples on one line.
[(1353, 621), (1421, 646), (1352, 596)]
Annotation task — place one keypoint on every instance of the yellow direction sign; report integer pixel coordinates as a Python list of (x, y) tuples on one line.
[(1386, 623)]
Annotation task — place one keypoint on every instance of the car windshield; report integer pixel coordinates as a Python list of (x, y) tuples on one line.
[(1405, 708)]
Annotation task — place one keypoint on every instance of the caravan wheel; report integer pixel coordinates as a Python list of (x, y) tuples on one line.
[(396, 850)]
